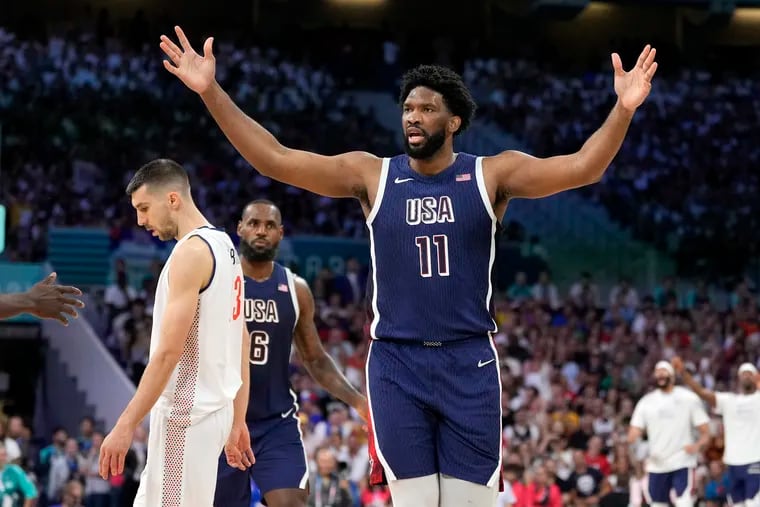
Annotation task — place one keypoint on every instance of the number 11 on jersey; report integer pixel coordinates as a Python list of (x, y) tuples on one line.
[(441, 243)]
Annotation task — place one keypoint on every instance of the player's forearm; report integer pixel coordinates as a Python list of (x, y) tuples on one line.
[(15, 304), (704, 438), (153, 382), (255, 143), (241, 399), (600, 149), (699, 390), (327, 374)]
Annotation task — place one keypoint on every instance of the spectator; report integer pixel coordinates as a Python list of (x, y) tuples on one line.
[(326, 487), (15, 485)]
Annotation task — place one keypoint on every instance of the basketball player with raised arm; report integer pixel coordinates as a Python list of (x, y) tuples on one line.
[(668, 415), (279, 310), (433, 380), (198, 351), (741, 423)]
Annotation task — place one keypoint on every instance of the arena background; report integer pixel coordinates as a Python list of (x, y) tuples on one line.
[(660, 258)]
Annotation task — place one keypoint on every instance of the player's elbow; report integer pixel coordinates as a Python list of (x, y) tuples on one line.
[(167, 356)]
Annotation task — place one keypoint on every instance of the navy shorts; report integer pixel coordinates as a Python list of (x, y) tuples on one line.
[(280, 463), (660, 484), (436, 409), (745, 482)]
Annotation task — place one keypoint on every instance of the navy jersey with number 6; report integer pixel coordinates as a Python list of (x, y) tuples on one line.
[(433, 242), (271, 313)]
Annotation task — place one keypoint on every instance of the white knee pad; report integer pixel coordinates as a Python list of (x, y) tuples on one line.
[(459, 493), (659, 504), (417, 492)]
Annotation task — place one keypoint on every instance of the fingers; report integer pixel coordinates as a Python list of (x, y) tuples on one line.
[(643, 56), (68, 289), (248, 457), (617, 64), (207, 48), (171, 68), (105, 459), (650, 72), (50, 279), (117, 464), (649, 60), (183, 39), (169, 46), (71, 302)]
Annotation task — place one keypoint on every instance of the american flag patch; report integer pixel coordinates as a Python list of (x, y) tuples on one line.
[(463, 177), (282, 287)]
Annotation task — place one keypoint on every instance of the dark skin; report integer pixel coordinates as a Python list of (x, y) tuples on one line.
[(357, 174), (261, 227), (748, 382), (46, 300)]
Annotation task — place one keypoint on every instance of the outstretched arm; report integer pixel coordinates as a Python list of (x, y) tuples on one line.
[(335, 176), (46, 299), (316, 360), (521, 175)]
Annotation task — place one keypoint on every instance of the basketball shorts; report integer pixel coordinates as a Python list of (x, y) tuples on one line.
[(435, 409), (280, 462), (744, 481), (660, 485), (181, 465)]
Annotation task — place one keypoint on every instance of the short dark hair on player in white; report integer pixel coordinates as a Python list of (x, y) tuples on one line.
[(160, 172)]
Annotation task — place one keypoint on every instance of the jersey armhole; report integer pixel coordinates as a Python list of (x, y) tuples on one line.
[(483, 190), (213, 259), (293, 294), (380, 191)]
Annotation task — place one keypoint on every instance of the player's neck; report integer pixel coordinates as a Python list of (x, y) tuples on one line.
[(435, 164), (259, 271), (667, 390), (189, 221)]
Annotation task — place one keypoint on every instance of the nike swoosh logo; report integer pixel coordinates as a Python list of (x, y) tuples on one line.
[(286, 414), (399, 180), (482, 364)]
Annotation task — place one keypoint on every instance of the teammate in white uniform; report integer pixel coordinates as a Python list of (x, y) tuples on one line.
[(198, 347), (741, 422), (668, 415)]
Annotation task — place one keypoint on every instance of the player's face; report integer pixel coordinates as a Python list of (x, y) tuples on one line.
[(747, 382), (154, 211), (424, 121), (260, 232), (662, 378)]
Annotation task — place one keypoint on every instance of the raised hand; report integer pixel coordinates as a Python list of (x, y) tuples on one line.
[(52, 301), (677, 365), (196, 71), (633, 87)]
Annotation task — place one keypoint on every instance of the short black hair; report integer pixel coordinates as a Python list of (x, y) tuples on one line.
[(448, 83), (161, 171), (265, 202)]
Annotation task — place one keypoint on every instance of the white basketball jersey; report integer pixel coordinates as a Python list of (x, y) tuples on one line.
[(741, 413), (208, 374), (669, 420)]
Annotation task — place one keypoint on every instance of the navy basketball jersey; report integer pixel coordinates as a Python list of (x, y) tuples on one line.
[(433, 243), (271, 313)]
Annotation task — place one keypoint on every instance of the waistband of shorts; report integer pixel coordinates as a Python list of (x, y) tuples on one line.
[(434, 343)]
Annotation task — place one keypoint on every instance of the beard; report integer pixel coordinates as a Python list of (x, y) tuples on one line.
[(748, 386), (663, 383), (258, 254), (429, 146)]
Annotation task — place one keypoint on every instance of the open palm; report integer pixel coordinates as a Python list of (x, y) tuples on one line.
[(633, 87), (196, 71)]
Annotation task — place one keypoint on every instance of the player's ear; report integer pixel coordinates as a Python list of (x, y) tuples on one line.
[(282, 232), (173, 198), (454, 123), (239, 227)]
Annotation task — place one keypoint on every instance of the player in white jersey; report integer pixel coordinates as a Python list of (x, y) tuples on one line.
[(197, 352), (741, 417), (668, 415)]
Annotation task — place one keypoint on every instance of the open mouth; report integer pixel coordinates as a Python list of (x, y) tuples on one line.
[(415, 135)]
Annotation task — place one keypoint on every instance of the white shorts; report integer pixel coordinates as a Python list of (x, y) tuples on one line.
[(183, 460)]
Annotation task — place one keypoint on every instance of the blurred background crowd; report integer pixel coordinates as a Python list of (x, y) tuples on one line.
[(83, 104)]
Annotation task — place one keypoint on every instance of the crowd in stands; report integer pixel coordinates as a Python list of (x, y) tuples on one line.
[(685, 178), (573, 365)]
